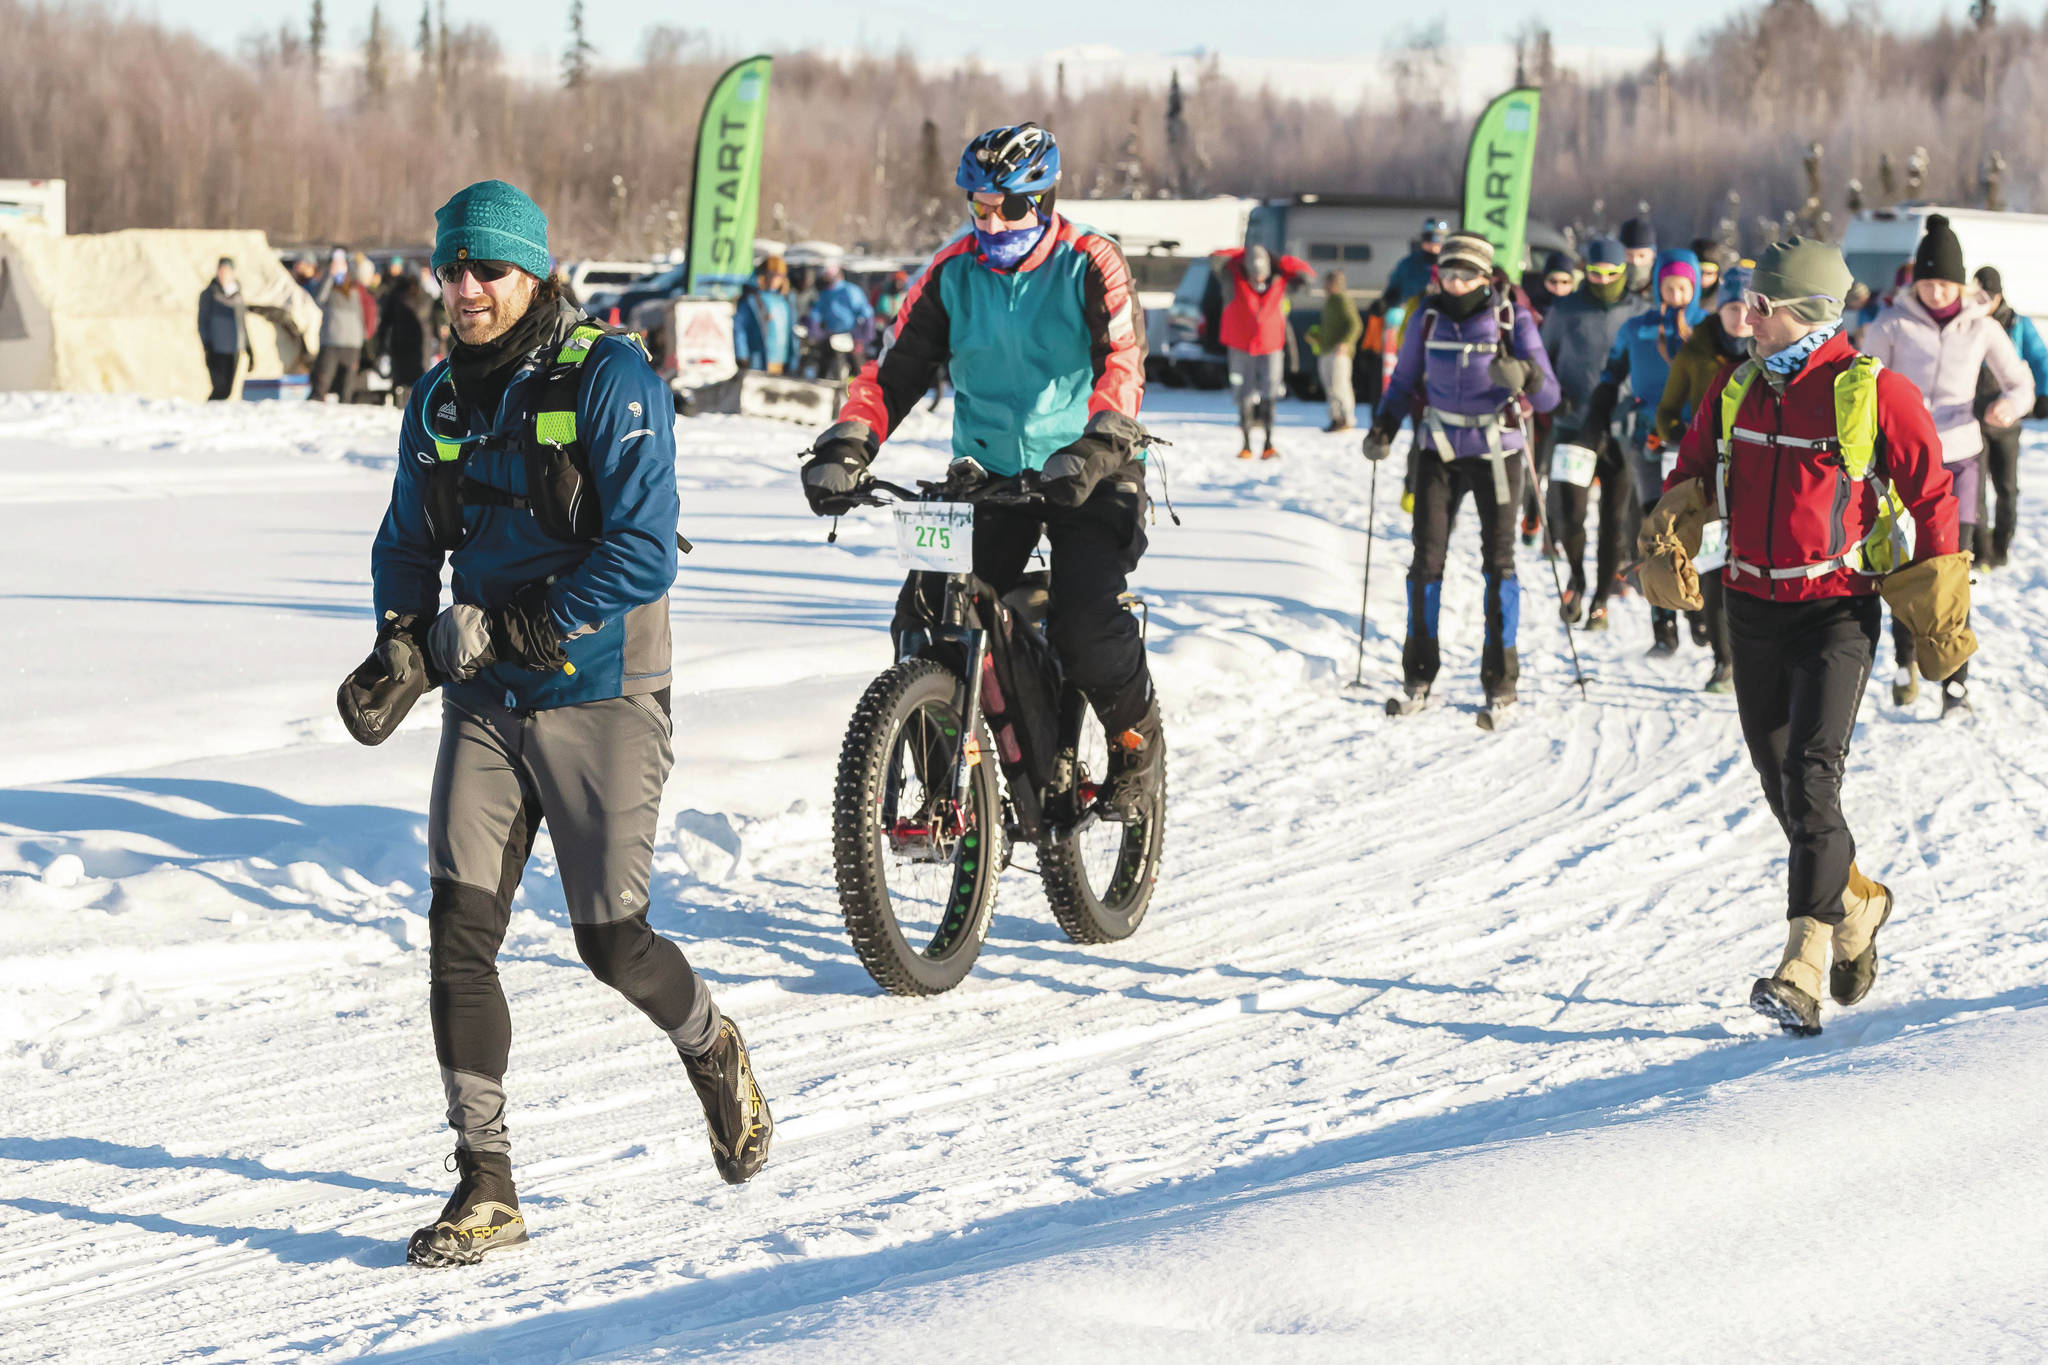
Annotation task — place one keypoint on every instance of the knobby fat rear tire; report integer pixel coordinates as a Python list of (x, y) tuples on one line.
[(1086, 915), (898, 966)]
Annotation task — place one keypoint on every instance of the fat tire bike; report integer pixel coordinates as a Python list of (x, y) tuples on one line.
[(939, 783)]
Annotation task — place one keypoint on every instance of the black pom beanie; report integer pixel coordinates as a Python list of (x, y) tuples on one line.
[(1940, 255)]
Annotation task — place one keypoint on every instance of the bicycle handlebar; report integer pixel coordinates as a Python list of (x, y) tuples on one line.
[(1020, 490)]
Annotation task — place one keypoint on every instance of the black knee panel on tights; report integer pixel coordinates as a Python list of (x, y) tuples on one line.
[(472, 1028), (643, 966)]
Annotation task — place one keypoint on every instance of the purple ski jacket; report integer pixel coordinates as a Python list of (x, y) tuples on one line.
[(1457, 381)]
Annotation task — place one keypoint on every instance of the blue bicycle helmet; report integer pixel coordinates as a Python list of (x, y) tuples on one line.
[(1021, 159)]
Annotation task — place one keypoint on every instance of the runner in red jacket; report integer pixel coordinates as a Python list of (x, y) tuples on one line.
[(1254, 331), (1801, 468)]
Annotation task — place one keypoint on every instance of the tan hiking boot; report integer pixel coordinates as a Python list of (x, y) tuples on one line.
[(1790, 996), (1866, 906)]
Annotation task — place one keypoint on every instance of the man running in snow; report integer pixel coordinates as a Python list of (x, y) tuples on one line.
[(1474, 358), (1812, 453), (555, 665), (1255, 333), (1039, 324)]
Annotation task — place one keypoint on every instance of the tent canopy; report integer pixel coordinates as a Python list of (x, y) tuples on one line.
[(117, 312)]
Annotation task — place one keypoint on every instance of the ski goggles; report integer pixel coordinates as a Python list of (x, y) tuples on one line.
[(1763, 307), (1460, 272), (1011, 206), (483, 272), (1605, 272)]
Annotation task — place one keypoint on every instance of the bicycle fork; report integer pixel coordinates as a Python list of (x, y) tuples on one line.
[(970, 718)]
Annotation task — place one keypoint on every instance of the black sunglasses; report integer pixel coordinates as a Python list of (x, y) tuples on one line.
[(1014, 206), (484, 272)]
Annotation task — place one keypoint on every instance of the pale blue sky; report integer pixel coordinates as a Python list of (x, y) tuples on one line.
[(1282, 27)]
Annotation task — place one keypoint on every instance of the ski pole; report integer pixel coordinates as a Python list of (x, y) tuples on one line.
[(1543, 531), (1372, 507)]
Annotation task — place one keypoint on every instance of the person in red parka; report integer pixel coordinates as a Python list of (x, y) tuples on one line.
[(1819, 436), (1254, 331)]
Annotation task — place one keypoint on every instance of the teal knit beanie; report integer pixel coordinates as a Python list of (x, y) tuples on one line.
[(492, 221)]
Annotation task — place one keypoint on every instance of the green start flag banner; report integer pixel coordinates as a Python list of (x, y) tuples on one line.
[(1498, 169), (725, 187)]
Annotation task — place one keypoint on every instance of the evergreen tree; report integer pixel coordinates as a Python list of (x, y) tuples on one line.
[(316, 41), (576, 60), (375, 75)]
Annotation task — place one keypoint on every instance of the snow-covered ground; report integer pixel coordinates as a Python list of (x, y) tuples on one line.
[(1434, 1046)]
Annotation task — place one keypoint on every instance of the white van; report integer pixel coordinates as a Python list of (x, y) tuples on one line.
[(1878, 241)]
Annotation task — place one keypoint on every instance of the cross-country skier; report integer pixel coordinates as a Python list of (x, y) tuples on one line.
[(1579, 333), (1642, 356), (538, 461), (1036, 318), (1813, 454), (1475, 359)]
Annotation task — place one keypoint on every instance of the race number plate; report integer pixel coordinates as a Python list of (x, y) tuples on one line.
[(937, 537), (1573, 464), (1713, 547)]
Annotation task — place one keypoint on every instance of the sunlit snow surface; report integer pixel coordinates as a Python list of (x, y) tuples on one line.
[(1434, 1046)]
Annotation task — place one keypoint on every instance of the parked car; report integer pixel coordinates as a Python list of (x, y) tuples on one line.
[(592, 278), (1191, 344), (617, 308)]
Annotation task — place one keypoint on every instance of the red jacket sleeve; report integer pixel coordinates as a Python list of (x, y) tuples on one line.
[(1296, 268), (1700, 446), (913, 348), (1909, 454), (1116, 328)]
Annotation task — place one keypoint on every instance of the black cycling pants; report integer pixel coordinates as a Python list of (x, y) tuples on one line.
[(1094, 548)]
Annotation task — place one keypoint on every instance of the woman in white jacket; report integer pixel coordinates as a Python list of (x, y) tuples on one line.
[(1940, 334)]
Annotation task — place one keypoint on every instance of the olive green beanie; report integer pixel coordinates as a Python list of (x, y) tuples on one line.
[(1802, 269)]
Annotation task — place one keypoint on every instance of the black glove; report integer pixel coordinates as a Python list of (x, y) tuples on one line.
[(1599, 412), (1378, 444), (1074, 470), (523, 633), (838, 467), (376, 697), (2040, 406), (1510, 373)]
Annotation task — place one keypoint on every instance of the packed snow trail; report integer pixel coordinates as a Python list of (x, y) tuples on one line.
[(1374, 939)]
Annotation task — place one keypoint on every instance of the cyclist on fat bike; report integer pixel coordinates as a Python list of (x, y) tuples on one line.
[(1036, 320)]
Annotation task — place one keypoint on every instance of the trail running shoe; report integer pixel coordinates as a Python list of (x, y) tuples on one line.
[(734, 1108), (481, 1216)]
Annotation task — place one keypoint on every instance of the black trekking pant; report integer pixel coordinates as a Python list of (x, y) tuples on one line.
[(1569, 505), (1800, 671), (1439, 484), (1716, 613), (221, 370), (334, 371), (1094, 548), (2002, 470)]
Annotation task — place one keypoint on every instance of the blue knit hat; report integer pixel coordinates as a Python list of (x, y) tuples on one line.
[(492, 221), (1605, 251)]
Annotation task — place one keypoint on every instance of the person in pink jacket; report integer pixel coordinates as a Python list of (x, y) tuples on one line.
[(1940, 334)]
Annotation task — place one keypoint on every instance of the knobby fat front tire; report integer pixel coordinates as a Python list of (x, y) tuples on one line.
[(1090, 914), (860, 856)]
